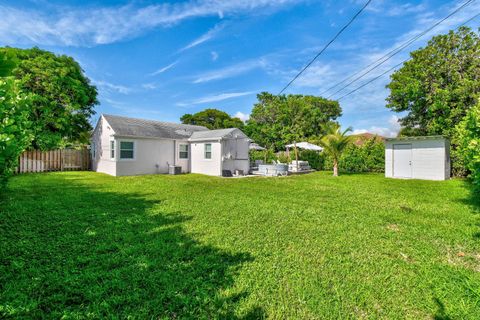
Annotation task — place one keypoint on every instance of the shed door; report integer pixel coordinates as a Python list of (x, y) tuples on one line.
[(402, 160)]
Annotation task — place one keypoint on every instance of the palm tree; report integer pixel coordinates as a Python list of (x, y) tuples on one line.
[(334, 142)]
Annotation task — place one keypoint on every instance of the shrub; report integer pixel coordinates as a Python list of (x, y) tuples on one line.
[(15, 135), (314, 158), (369, 157), (265, 155), (283, 157), (468, 142)]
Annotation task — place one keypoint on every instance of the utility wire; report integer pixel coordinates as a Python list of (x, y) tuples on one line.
[(397, 65), (368, 82), (326, 46), (390, 54)]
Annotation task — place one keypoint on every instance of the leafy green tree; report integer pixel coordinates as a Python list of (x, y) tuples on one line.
[(15, 134), (279, 120), (438, 86), (61, 96), (468, 141), (334, 143), (212, 119)]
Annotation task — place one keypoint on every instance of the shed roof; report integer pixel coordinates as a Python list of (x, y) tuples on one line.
[(417, 138), (215, 134), (133, 127)]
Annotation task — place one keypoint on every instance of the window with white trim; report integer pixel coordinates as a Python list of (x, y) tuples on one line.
[(93, 149), (112, 149), (183, 151), (127, 150), (208, 151)]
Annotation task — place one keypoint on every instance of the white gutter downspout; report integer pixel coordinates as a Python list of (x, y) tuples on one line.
[(221, 158), (174, 152)]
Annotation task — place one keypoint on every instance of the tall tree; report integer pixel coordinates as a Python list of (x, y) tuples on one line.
[(334, 143), (15, 134), (212, 119), (61, 96), (279, 120), (439, 84)]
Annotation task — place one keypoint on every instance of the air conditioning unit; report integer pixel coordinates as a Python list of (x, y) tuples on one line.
[(174, 169)]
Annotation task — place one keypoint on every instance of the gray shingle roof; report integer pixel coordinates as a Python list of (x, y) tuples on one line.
[(212, 134), (124, 126)]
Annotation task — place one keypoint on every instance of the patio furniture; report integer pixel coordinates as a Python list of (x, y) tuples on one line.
[(277, 169), (300, 166)]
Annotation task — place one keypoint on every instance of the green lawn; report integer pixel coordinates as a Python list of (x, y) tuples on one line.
[(87, 245)]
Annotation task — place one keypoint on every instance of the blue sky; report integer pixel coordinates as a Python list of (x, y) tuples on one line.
[(162, 59)]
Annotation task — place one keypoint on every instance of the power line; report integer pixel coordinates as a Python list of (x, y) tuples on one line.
[(327, 45), (368, 82), (390, 54), (397, 65)]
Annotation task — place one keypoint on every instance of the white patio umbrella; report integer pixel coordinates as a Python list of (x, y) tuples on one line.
[(254, 146), (305, 146)]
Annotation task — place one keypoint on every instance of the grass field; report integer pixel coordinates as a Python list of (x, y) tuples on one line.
[(86, 245)]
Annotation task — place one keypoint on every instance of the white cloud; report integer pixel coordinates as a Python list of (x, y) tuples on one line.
[(203, 38), (107, 86), (215, 98), (317, 76), (389, 132), (128, 109), (406, 8), (214, 55), (242, 116), (101, 25), (231, 71), (162, 70), (149, 86)]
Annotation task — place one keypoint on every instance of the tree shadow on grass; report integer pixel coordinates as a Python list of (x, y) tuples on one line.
[(82, 252), (441, 312), (473, 201)]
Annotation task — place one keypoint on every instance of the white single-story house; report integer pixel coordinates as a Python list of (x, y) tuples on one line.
[(123, 146), (425, 158)]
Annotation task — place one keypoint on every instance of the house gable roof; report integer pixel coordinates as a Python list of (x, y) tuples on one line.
[(133, 127), (217, 134)]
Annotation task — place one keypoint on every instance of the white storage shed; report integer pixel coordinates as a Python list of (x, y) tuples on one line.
[(425, 158)]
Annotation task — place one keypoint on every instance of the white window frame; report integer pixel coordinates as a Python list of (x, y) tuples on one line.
[(112, 149), (205, 151), (134, 149), (180, 151)]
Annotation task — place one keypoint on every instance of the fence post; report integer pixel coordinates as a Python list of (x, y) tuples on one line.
[(61, 159)]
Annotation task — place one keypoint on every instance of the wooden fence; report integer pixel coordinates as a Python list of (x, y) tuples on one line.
[(54, 160)]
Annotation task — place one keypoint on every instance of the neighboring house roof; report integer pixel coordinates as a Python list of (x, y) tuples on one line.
[(132, 127), (361, 138), (217, 134)]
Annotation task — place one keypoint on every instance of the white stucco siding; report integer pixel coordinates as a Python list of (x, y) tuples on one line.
[(101, 142), (199, 164), (151, 156)]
